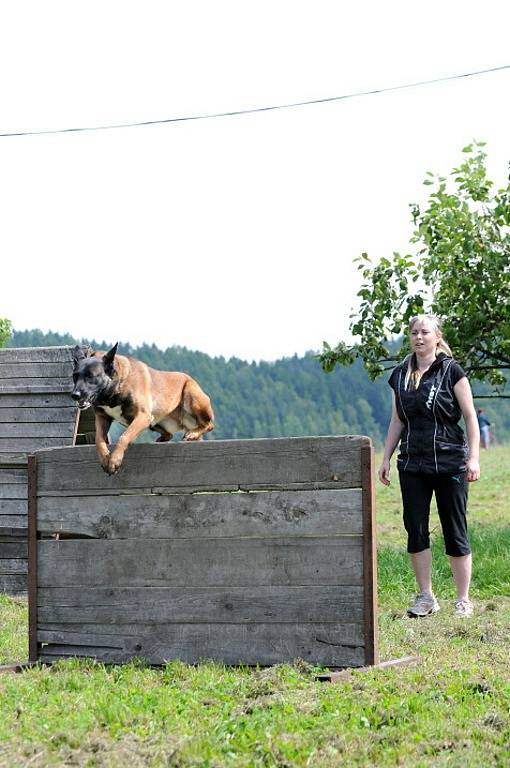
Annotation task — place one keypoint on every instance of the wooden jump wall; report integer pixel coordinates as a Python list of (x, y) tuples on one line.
[(240, 551)]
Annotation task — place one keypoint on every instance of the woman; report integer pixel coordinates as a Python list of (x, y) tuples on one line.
[(430, 393)]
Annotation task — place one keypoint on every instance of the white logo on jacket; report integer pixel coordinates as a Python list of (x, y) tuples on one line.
[(431, 396)]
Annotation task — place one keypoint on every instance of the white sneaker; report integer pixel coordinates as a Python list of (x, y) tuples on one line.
[(424, 604), (463, 608)]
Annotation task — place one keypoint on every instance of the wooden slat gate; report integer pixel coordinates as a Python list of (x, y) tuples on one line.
[(241, 551), (36, 411)]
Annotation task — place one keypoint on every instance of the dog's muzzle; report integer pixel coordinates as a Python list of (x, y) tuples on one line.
[(81, 402)]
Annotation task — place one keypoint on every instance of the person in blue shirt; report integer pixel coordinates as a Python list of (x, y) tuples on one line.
[(484, 424), (430, 395)]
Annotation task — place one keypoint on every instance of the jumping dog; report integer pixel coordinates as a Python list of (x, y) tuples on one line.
[(138, 397)]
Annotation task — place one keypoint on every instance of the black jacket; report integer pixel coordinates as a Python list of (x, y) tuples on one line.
[(432, 440)]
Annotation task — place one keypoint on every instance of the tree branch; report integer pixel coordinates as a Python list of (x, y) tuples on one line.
[(490, 397)]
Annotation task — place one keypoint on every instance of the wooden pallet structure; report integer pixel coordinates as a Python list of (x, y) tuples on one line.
[(36, 411)]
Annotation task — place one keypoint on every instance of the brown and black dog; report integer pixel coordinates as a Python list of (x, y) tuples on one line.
[(138, 397)]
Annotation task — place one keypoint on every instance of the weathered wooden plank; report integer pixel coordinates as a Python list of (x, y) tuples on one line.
[(35, 401), (36, 354), (230, 604), (8, 522), (13, 459), (31, 444), (13, 526), (23, 415), (13, 506), (215, 562), (12, 475), (36, 384), (279, 461), (78, 633), (87, 633), (251, 644), (13, 549), (275, 513), (13, 565), (35, 370), (36, 429), (13, 584), (13, 491)]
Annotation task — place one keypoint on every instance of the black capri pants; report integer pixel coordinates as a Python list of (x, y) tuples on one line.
[(451, 492)]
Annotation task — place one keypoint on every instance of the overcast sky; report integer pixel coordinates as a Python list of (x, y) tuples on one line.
[(236, 235)]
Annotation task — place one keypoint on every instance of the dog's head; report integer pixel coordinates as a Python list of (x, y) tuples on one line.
[(92, 376)]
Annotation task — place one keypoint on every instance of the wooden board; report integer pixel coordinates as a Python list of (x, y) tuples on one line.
[(13, 584), (49, 400), (212, 464), (12, 565), (152, 563), (36, 370), (37, 429), (253, 644), (13, 459), (13, 507), (23, 414), (31, 444), (13, 490), (255, 513), (36, 354), (36, 384), (12, 521), (13, 549), (9, 475), (187, 604)]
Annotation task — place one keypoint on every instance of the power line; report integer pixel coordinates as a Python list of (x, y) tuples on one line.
[(234, 113)]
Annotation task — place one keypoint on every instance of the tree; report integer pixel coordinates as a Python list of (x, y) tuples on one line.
[(461, 272), (5, 330)]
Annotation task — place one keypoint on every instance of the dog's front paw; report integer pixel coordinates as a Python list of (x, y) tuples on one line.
[(105, 462), (115, 463)]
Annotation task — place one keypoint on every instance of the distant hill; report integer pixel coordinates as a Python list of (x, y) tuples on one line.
[(287, 398)]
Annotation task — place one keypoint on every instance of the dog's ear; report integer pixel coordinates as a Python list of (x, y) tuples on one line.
[(78, 354), (108, 360)]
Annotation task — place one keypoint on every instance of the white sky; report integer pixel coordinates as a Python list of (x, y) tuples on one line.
[(233, 236)]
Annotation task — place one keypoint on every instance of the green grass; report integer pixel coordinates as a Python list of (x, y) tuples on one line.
[(452, 709)]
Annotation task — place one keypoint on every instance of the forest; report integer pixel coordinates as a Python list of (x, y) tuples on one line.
[(289, 397)]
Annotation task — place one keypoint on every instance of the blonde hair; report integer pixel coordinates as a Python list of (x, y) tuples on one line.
[(413, 374)]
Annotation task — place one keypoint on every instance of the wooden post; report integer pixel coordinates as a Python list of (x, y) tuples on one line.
[(33, 646), (369, 554)]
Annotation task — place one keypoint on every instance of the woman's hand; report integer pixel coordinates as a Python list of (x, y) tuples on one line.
[(384, 472), (473, 470)]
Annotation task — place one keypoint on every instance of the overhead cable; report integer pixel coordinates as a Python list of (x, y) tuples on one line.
[(237, 112)]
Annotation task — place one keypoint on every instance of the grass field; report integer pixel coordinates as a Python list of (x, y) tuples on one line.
[(452, 709)]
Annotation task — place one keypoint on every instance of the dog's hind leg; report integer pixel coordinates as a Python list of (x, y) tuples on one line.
[(197, 434), (198, 414), (164, 437)]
